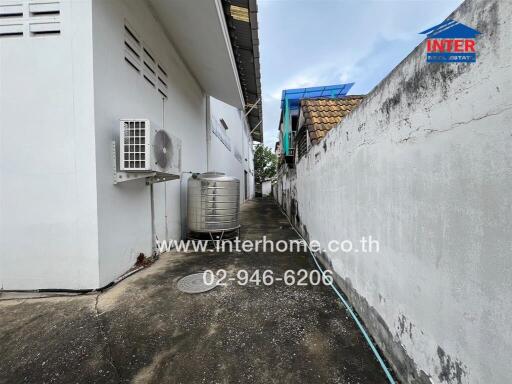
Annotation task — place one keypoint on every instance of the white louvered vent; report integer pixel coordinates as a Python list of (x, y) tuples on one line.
[(11, 10), (11, 30), (149, 67), (162, 81), (41, 29), (11, 19), (44, 18), (132, 48), (143, 60), (44, 9), (38, 18)]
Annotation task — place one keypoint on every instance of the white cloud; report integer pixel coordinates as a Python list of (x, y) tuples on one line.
[(325, 42)]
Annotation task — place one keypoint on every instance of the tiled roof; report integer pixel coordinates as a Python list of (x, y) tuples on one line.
[(321, 115)]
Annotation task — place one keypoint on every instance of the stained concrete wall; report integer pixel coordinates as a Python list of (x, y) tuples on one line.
[(266, 188), (424, 165)]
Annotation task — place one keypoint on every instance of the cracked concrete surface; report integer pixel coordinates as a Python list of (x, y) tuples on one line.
[(145, 331)]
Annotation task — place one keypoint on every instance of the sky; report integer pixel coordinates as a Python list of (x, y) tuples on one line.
[(305, 43)]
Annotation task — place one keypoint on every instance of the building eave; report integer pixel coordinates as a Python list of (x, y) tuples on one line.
[(242, 22), (199, 32)]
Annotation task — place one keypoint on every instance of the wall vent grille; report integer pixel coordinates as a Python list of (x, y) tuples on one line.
[(149, 67), (44, 9), (142, 59), (162, 81), (149, 80), (132, 48), (11, 30), (10, 10), (34, 18), (42, 29)]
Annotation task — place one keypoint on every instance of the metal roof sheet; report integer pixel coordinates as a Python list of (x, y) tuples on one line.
[(328, 91), (243, 34)]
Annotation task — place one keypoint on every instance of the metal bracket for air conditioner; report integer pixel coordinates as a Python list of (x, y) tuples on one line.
[(151, 177)]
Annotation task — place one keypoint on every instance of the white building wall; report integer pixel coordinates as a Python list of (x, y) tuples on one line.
[(48, 220), (238, 158), (124, 210), (424, 167), (64, 224)]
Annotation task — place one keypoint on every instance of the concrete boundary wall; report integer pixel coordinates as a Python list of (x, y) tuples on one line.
[(424, 166)]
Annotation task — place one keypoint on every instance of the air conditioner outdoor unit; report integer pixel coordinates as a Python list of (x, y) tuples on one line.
[(144, 148)]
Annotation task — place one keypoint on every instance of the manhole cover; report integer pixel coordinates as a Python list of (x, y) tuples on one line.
[(195, 283)]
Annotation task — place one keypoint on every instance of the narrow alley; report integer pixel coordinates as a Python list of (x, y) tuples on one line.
[(146, 331), (361, 170)]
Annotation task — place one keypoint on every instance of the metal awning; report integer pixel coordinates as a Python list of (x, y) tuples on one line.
[(294, 96), (242, 22)]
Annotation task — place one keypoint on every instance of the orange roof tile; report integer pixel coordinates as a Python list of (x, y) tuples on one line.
[(321, 115)]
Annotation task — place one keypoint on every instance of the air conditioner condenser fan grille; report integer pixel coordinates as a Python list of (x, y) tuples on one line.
[(162, 148)]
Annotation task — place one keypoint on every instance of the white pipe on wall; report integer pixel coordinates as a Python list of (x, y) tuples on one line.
[(208, 133)]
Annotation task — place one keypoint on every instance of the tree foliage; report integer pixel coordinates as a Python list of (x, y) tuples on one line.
[(265, 164)]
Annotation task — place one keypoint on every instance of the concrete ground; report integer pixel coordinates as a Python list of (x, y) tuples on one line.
[(144, 330)]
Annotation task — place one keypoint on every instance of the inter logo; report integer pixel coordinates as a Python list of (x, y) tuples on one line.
[(451, 42)]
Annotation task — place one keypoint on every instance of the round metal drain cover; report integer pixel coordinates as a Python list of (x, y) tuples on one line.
[(195, 283)]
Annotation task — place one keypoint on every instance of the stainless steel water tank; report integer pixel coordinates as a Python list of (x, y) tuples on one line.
[(213, 202)]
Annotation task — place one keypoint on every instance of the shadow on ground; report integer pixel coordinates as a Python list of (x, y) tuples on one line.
[(146, 331)]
